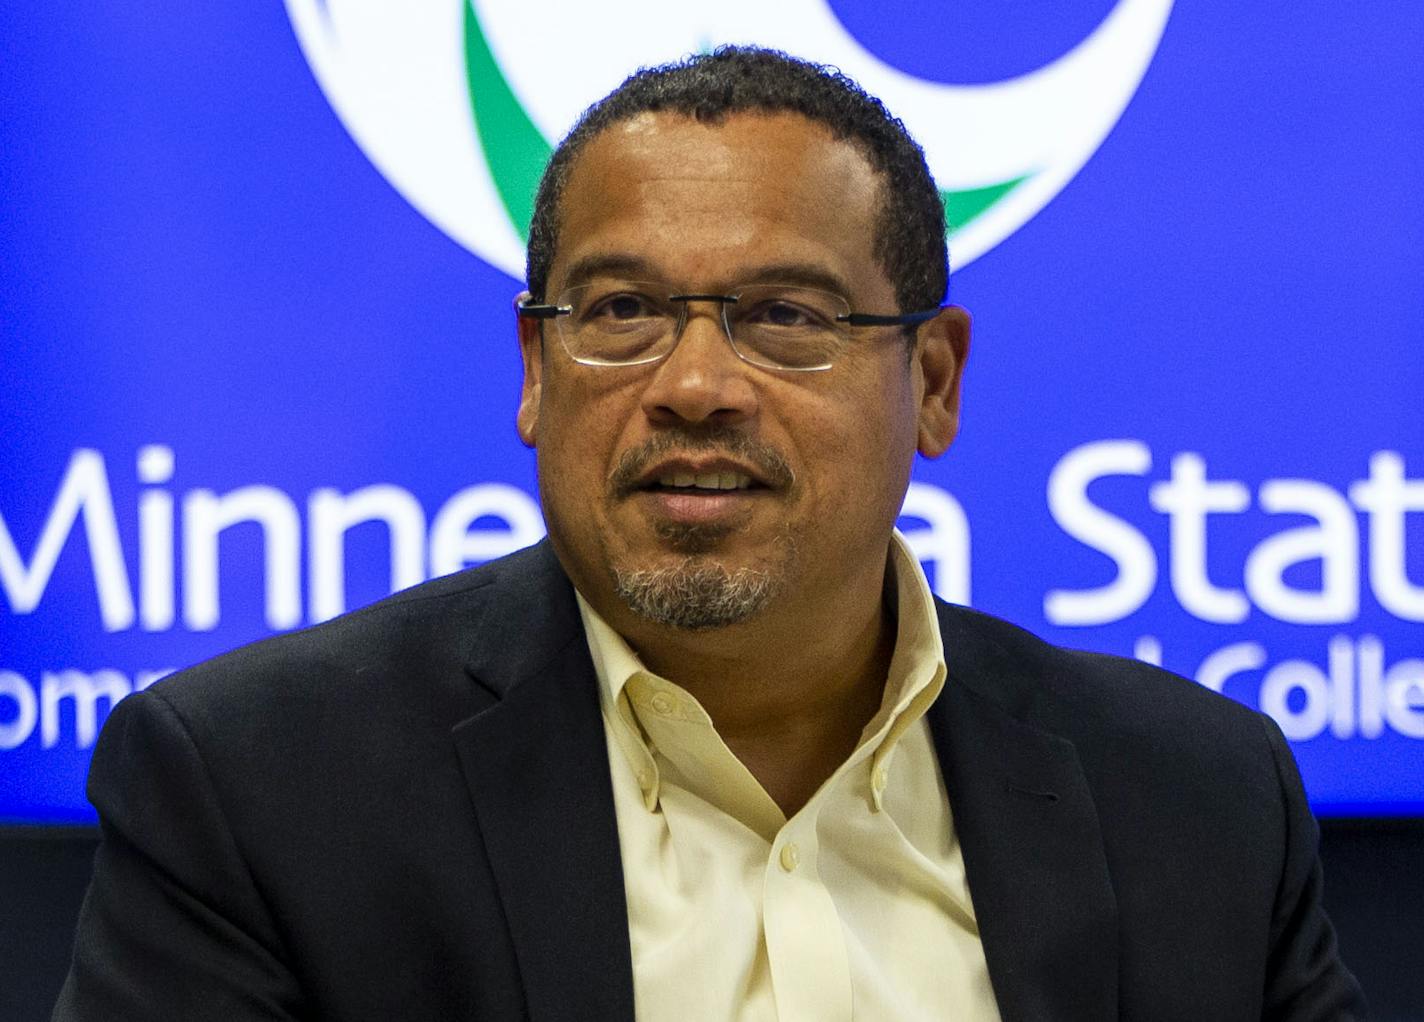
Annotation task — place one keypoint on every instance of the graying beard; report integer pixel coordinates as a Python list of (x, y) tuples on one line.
[(695, 596)]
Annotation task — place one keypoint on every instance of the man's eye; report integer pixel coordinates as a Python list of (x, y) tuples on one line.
[(622, 307), (785, 315)]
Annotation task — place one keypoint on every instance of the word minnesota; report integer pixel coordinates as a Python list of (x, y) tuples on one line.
[(476, 524)]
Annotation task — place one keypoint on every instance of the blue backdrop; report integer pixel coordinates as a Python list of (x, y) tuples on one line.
[(248, 376)]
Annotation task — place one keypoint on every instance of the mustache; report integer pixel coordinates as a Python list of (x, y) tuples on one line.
[(769, 463)]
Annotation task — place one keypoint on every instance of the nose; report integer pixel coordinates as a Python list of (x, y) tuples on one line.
[(703, 380)]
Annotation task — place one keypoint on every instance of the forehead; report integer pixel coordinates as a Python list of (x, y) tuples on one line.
[(703, 203)]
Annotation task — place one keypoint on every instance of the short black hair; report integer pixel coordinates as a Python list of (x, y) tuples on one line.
[(909, 241)]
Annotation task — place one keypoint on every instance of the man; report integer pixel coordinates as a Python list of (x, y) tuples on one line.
[(712, 751)]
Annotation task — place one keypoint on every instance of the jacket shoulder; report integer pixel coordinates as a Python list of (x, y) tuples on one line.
[(408, 648), (1086, 696)]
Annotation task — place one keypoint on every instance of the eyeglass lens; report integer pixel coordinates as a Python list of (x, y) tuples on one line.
[(770, 325)]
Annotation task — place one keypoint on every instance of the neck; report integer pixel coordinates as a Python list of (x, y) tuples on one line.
[(791, 692)]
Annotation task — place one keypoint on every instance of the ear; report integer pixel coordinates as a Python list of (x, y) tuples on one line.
[(942, 347), (531, 351)]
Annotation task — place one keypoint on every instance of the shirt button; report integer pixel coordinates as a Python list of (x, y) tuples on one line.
[(662, 704), (878, 778), (790, 857)]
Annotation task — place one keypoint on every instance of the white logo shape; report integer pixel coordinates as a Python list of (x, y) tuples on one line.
[(414, 83)]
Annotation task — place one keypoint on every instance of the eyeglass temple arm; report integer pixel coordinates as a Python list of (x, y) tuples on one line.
[(905, 319), (533, 311)]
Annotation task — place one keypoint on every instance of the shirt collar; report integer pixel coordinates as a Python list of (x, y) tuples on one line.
[(615, 664), (916, 676)]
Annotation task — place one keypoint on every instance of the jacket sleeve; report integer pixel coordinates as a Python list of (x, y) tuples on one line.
[(173, 925), (1306, 980)]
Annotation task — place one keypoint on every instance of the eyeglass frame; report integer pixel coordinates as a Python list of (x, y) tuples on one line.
[(545, 311)]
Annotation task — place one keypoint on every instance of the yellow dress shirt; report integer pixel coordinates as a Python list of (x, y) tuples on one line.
[(854, 908)]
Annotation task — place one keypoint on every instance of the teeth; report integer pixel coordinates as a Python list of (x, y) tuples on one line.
[(706, 480)]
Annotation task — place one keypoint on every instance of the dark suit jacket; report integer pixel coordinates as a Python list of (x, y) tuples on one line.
[(406, 813)]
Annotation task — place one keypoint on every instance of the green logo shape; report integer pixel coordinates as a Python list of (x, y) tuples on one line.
[(516, 151)]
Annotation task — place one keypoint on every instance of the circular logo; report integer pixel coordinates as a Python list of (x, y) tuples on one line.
[(459, 102)]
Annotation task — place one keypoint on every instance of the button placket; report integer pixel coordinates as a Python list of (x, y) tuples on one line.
[(804, 941)]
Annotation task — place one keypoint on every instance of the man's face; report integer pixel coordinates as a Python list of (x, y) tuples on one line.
[(819, 461)]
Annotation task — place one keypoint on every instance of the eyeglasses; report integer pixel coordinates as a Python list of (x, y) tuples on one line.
[(773, 326)]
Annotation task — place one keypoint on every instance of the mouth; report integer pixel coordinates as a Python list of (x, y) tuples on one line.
[(702, 493), (703, 482), (700, 464), (718, 475), (696, 489)]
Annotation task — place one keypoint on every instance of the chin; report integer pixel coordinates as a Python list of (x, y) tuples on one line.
[(697, 593), (698, 578)]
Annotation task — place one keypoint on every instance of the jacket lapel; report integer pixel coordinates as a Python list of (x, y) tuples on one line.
[(1033, 851), (536, 764)]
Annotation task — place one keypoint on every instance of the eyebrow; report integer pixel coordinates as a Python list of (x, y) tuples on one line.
[(612, 264), (801, 274), (632, 267)]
